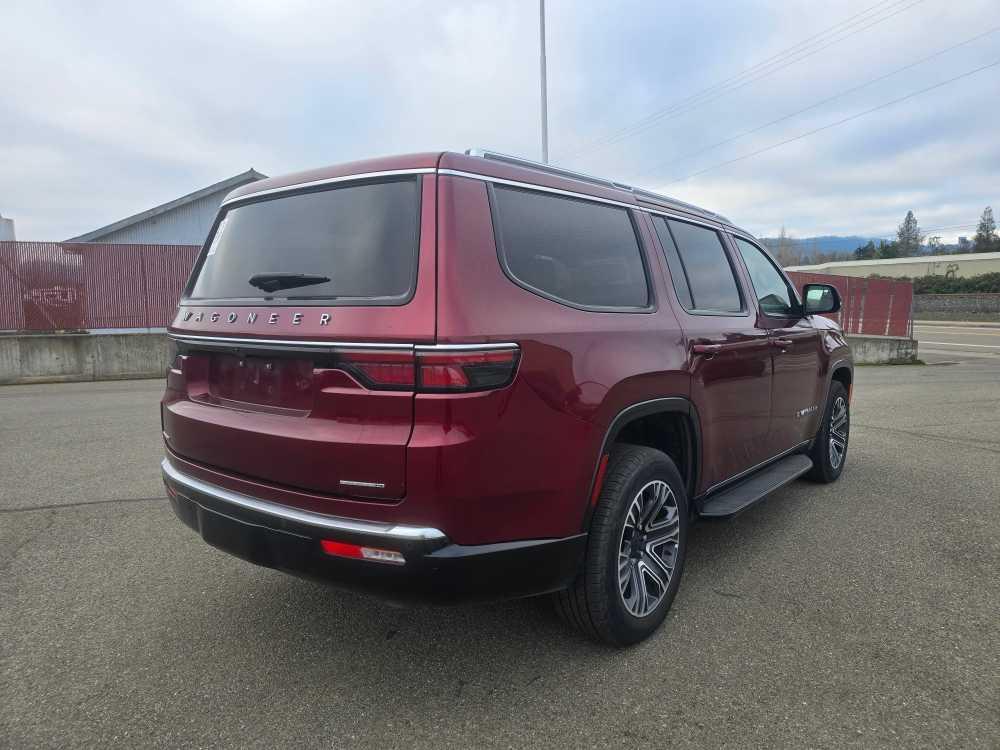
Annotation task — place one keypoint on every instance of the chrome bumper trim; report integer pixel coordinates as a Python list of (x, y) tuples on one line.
[(318, 520)]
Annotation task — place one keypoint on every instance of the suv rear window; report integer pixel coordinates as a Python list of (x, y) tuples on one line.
[(362, 237), (574, 251)]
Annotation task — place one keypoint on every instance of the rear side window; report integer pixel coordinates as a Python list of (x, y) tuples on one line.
[(355, 244), (578, 252), (700, 269)]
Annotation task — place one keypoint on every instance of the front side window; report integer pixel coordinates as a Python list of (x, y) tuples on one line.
[(574, 251), (355, 244), (699, 267), (774, 295)]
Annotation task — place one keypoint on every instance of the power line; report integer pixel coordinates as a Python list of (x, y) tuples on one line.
[(755, 73), (835, 124), (824, 101)]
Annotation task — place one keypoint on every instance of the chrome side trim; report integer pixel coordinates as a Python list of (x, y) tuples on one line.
[(328, 181), (690, 218), (359, 483), (319, 520)]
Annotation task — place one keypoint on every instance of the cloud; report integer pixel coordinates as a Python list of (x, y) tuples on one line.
[(111, 107)]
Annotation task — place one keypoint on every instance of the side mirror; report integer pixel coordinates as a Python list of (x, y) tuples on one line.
[(820, 298)]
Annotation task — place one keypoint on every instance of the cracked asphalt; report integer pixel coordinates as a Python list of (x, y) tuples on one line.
[(860, 614)]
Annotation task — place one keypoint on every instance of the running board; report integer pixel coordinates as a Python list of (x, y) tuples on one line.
[(756, 487)]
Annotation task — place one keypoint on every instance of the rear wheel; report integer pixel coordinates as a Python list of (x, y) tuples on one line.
[(635, 550), (829, 450)]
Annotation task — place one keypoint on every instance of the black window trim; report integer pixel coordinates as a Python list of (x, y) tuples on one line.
[(797, 312), (744, 311), (186, 299), (629, 211)]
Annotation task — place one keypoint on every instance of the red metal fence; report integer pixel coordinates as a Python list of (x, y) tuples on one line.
[(876, 307), (50, 286)]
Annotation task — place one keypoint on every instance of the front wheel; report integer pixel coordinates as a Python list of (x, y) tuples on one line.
[(635, 550), (829, 450)]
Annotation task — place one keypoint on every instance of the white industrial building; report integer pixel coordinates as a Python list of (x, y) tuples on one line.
[(959, 265), (7, 233), (184, 221)]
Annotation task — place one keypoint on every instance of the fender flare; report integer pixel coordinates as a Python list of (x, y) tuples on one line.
[(669, 405)]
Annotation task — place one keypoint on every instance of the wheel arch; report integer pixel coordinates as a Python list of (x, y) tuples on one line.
[(648, 419)]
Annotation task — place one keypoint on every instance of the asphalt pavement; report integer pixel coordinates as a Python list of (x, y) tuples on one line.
[(860, 614), (942, 341)]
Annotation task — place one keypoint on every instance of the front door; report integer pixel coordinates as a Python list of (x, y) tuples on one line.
[(729, 355), (796, 401)]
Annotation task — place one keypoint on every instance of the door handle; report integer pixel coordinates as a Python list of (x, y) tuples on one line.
[(782, 343), (708, 350)]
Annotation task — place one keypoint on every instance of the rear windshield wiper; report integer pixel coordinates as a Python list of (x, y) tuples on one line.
[(272, 282)]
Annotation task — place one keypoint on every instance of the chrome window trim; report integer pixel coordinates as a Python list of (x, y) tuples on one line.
[(328, 181), (584, 196), (197, 338), (318, 520)]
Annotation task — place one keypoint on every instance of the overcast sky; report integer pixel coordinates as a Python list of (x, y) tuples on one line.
[(107, 109)]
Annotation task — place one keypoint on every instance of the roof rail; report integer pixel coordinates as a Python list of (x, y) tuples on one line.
[(639, 193), (539, 166)]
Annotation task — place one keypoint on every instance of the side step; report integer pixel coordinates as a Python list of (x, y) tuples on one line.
[(756, 487)]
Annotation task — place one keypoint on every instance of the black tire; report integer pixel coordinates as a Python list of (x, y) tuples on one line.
[(596, 602), (834, 428)]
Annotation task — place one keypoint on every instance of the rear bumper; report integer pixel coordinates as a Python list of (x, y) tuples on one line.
[(288, 539)]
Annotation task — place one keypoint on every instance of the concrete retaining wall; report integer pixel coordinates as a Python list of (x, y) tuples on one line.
[(69, 357), (882, 350), (956, 303)]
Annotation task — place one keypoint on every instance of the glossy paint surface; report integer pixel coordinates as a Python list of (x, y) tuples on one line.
[(498, 465)]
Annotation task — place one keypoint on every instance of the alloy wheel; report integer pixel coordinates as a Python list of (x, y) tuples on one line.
[(838, 432), (647, 552)]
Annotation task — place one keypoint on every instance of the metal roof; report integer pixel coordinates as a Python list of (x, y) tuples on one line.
[(251, 175)]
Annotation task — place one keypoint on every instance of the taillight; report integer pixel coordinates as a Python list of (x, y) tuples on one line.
[(381, 370), (433, 369), (446, 372)]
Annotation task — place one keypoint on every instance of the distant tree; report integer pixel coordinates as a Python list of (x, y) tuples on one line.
[(786, 254), (888, 249), (986, 240), (866, 251), (934, 245), (908, 236)]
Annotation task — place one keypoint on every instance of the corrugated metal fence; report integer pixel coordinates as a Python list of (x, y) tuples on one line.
[(51, 286), (875, 307)]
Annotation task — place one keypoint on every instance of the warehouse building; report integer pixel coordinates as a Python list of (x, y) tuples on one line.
[(184, 221), (960, 265)]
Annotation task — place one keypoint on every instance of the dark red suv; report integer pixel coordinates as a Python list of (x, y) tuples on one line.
[(472, 376)]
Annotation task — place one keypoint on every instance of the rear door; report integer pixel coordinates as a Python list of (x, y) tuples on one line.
[(795, 350), (296, 335), (729, 355)]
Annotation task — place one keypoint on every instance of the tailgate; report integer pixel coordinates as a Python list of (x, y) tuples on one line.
[(290, 387)]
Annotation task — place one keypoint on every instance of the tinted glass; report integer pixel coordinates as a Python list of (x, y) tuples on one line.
[(363, 238), (575, 251), (773, 293), (677, 275), (707, 268)]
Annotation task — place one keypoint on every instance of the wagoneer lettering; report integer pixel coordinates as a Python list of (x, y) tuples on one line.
[(481, 377)]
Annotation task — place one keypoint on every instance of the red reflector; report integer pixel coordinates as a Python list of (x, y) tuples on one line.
[(357, 552), (602, 469), (386, 373)]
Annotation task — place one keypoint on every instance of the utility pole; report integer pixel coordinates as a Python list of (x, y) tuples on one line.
[(545, 102)]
